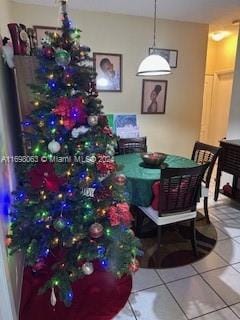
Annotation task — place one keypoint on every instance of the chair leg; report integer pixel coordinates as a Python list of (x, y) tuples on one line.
[(139, 217), (159, 237), (217, 185), (193, 237), (205, 203)]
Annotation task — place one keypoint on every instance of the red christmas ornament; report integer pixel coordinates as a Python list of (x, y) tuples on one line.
[(44, 176), (96, 230), (48, 52), (134, 265), (120, 214), (106, 130), (120, 179), (72, 111)]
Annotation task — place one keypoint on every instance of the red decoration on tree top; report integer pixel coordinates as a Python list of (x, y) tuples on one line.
[(44, 176), (72, 111)]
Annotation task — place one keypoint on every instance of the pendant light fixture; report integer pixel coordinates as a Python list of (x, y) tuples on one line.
[(154, 64)]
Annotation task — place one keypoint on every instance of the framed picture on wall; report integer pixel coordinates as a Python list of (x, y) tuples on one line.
[(154, 94), (169, 54), (108, 67), (40, 32)]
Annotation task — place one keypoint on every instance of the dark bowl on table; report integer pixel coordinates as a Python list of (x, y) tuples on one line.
[(154, 158)]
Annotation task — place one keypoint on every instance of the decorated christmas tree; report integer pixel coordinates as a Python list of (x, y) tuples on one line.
[(70, 202)]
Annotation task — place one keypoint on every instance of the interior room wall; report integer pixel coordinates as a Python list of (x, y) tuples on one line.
[(5, 16), (234, 116), (175, 131)]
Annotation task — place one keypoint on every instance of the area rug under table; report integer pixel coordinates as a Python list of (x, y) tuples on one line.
[(176, 249), (99, 296)]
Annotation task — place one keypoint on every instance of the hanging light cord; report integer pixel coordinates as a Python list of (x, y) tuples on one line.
[(154, 25)]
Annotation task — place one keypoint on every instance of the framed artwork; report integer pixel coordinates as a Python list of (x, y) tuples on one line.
[(169, 54), (108, 67), (154, 94), (40, 32)]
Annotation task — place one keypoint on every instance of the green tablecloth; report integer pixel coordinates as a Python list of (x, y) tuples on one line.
[(140, 179)]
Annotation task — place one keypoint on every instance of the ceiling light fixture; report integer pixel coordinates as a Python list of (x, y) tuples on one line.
[(219, 35), (154, 64)]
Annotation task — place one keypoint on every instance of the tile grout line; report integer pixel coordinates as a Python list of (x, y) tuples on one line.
[(171, 281), (140, 290), (226, 307), (223, 257), (166, 286), (216, 292), (131, 307), (234, 311)]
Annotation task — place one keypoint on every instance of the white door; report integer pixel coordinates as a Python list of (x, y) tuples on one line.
[(207, 105), (221, 101)]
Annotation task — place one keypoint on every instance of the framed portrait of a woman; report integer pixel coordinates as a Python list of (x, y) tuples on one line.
[(154, 95)]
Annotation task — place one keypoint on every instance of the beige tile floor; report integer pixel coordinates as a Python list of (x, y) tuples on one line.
[(206, 290)]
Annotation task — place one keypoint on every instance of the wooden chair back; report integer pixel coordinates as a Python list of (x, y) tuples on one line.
[(180, 189), (132, 145), (205, 153)]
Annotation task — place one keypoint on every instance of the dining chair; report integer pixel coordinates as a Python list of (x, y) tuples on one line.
[(131, 145), (176, 194), (205, 153)]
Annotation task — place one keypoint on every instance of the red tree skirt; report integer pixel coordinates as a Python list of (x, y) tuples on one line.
[(99, 296)]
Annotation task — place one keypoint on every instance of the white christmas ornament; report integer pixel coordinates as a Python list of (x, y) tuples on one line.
[(53, 298), (92, 120), (54, 146), (87, 268)]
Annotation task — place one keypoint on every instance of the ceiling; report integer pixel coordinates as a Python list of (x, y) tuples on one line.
[(215, 12)]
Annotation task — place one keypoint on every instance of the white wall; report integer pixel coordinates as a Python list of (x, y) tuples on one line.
[(5, 16), (131, 36), (234, 116)]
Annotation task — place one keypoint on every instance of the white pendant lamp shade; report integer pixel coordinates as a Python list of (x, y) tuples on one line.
[(153, 65)]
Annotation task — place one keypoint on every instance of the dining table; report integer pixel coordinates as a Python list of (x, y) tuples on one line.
[(140, 176)]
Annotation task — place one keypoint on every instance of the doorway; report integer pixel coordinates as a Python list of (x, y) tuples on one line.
[(216, 106)]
